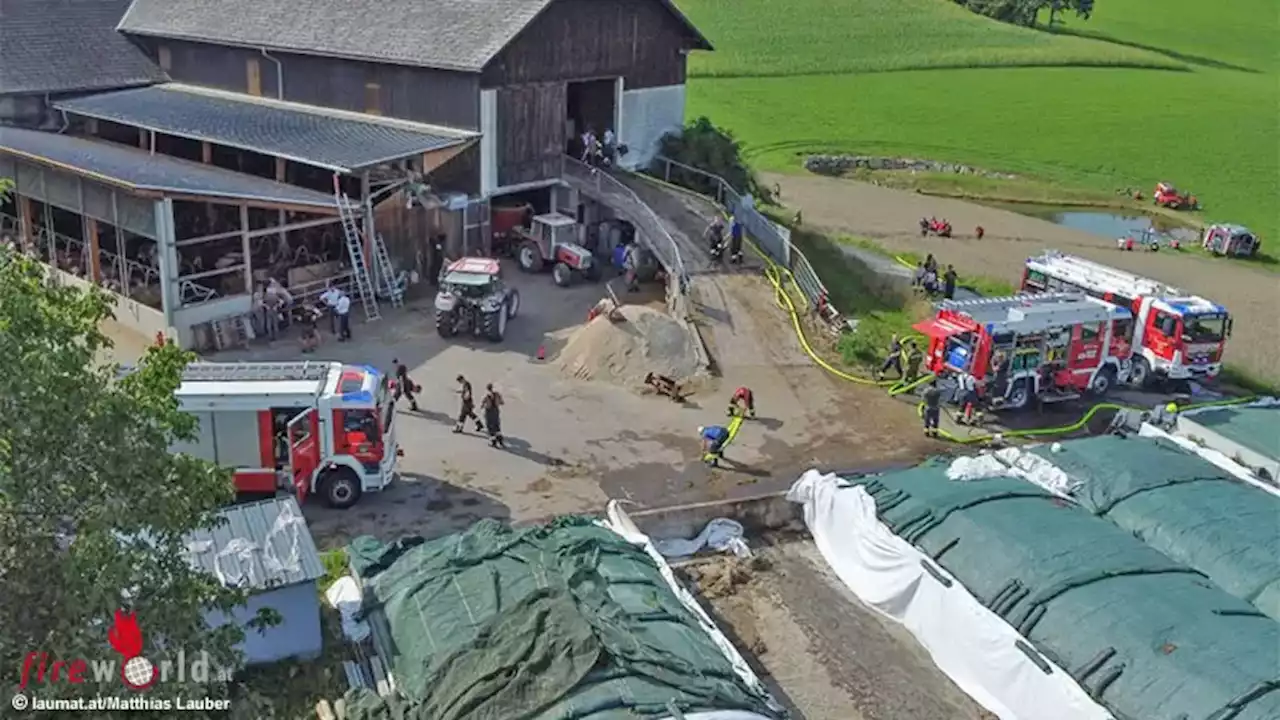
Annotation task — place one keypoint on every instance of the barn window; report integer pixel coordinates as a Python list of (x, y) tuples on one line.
[(164, 57), (373, 98), (253, 76)]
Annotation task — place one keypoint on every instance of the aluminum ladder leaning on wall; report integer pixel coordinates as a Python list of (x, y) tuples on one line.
[(355, 250), (385, 273)]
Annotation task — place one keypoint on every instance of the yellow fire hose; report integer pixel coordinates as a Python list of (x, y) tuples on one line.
[(779, 276), (734, 425)]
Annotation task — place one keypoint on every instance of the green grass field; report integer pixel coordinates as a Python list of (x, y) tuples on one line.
[(1178, 91)]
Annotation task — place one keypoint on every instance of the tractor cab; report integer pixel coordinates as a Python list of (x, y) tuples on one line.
[(551, 241), (1230, 240), (472, 278)]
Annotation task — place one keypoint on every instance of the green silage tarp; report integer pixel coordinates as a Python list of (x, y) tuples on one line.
[(1257, 428), (1183, 506), (567, 621), (1149, 638)]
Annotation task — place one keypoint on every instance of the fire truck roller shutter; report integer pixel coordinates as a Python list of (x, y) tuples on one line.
[(236, 439), (202, 445)]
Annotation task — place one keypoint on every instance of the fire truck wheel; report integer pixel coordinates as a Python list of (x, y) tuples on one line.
[(1140, 375), (1103, 382), (1020, 396), (340, 488)]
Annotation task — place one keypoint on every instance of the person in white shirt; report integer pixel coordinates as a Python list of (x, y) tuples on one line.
[(342, 308), (276, 300), (330, 300), (609, 142)]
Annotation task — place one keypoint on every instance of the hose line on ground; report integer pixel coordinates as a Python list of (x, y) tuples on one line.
[(778, 276)]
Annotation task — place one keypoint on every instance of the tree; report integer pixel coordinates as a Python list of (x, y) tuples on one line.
[(94, 509), (702, 145), (1025, 12)]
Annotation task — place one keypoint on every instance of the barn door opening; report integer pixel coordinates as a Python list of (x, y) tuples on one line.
[(591, 106)]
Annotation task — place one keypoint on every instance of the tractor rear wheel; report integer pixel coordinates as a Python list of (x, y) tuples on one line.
[(445, 325), (529, 257), (562, 274)]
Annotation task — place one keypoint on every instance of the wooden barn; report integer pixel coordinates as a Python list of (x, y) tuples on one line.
[(188, 194)]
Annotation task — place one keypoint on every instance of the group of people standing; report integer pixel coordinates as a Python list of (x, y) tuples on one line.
[(273, 308), (715, 239), (927, 280), (599, 151)]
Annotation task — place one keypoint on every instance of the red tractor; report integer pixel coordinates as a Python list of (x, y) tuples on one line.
[(1167, 196), (551, 242)]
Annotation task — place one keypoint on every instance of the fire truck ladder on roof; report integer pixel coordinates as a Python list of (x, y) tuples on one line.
[(1030, 313), (355, 249), (1090, 274), (261, 372)]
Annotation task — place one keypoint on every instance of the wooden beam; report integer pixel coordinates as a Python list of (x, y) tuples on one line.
[(142, 138), (435, 159), (95, 256), (281, 166), (206, 153), (244, 248), (26, 222)]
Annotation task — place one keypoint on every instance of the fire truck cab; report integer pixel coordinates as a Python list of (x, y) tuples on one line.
[(1177, 336), (1052, 347), (308, 427)]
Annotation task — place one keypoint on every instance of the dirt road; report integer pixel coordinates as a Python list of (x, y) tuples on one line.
[(890, 216)]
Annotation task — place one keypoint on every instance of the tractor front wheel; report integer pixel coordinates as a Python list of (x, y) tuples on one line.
[(562, 275), (445, 325)]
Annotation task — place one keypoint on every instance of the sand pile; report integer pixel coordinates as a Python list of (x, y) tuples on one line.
[(644, 340)]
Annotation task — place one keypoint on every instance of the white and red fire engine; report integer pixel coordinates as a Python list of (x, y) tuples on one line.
[(1176, 335), (309, 427), (1052, 347)]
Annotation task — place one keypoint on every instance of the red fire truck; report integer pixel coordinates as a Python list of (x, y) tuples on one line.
[(1052, 347), (1177, 335), (309, 427)]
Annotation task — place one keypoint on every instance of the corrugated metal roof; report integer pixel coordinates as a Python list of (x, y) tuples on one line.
[(459, 35), (137, 169), (261, 545), (324, 138), (54, 46)]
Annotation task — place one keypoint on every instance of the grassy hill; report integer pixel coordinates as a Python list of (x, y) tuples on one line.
[(1180, 91)]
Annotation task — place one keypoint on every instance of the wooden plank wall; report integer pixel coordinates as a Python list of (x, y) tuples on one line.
[(531, 131)]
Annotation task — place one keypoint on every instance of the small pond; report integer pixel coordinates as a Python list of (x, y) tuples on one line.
[(1107, 224)]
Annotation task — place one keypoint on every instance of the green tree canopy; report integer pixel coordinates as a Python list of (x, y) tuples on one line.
[(94, 508)]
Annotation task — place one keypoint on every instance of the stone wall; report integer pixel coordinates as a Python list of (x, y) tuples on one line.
[(842, 164)]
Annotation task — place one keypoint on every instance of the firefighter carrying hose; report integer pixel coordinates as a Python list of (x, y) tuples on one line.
[(742, 403), (714, 438), (893, 360), (911, 360)]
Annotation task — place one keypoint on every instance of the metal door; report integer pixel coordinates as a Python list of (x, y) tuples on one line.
[(303, 435)]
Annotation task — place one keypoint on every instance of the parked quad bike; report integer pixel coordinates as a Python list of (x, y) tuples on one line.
[(473, 299)]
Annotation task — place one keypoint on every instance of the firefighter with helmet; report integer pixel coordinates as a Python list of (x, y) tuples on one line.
[(742, 403)]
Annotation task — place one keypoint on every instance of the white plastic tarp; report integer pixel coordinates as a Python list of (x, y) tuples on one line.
[(973, 646), (721, 535), (618, 521), (1217, 458), (1013, 462)]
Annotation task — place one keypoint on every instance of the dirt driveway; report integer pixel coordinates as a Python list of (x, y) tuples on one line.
[(573, 443), (890, 216)]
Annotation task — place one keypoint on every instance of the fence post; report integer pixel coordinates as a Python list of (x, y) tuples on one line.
[(666, 170)]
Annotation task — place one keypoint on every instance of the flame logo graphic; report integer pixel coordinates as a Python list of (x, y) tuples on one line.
[(137, 672)]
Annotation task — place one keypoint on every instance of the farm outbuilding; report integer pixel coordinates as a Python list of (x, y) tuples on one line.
[(266, 548), (247, 124)]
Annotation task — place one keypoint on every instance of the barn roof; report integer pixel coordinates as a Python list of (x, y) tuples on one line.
[(57, 46), (332, 139), (459, 35), (139, 171), (261, 545)]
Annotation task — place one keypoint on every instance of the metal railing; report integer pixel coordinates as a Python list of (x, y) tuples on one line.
[(772, 238), (651, 226)]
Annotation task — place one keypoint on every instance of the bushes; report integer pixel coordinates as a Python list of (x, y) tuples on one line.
[(702, 145)]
